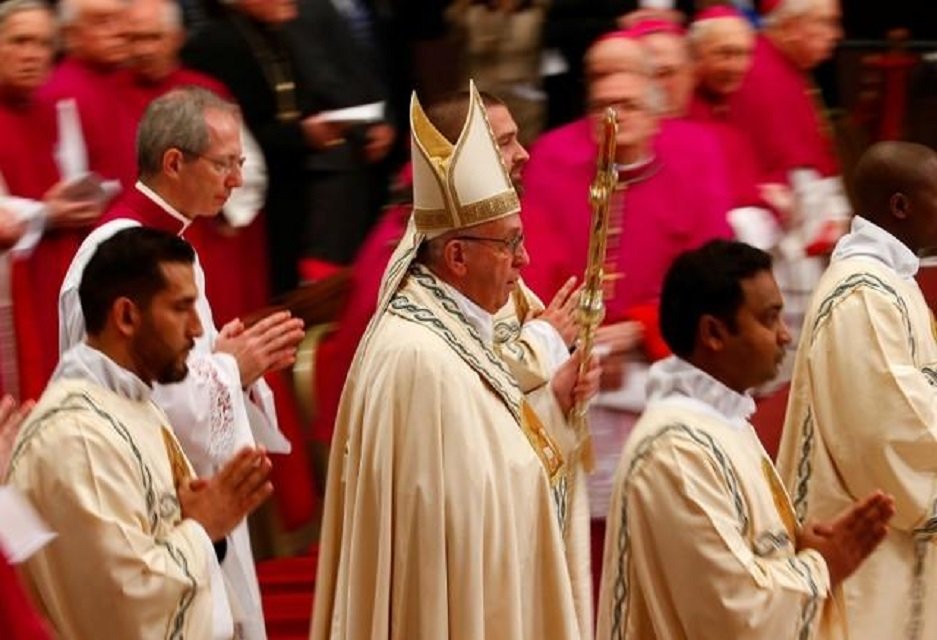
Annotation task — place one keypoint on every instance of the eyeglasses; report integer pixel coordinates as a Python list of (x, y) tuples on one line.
[(513, 245), (223, 166)]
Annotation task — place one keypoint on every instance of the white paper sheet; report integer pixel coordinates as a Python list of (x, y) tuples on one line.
[(361, 113)]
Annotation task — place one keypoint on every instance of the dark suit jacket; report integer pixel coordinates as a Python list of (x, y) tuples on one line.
[(341, 72), (221, 48)]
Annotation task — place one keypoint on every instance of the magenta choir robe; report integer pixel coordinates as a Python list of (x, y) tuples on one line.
[(775, 110), (744, 169), (680, 203), (227, 254), (18, 618), (107, 121), (29, 133)]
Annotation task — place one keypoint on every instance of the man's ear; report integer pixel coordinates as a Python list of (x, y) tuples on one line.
[(453, 254), (125, 315), (899, 205), (172, 162), (711, 333)]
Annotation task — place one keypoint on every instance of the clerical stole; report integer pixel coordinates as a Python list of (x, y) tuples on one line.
[(125, 564), (862, 415), (700, 540)]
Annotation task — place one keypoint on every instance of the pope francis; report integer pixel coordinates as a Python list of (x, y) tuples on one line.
[(441, 515)]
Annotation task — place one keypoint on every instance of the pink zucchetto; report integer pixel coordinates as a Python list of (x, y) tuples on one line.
[(618, 34), (655, 25), (717, 12)]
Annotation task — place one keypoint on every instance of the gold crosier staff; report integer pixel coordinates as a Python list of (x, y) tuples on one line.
[(592, 296)]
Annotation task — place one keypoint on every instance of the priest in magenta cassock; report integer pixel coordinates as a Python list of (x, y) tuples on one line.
[(722, 41), (31, 180), (776, 104), (92, 74), (779, 110)]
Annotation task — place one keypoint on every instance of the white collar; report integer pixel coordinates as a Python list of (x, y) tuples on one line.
[(483, 321), (870, 240), (676, 381), (87, 363), (165, 206)]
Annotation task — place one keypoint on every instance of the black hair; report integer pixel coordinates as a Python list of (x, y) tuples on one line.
[(127, 265), (706, 281)]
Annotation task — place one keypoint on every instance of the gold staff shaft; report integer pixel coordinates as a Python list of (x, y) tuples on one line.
[(591, 298)]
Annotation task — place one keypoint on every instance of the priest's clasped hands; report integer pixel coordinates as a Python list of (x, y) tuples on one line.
[(269, 345), (220, 502), (849, 539)]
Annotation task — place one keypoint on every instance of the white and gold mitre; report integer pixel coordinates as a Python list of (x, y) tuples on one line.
[(457, 186)]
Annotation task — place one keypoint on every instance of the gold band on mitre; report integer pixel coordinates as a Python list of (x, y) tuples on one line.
[(498, 206), (458, 185)]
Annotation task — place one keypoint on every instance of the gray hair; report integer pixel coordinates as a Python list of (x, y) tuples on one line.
[(69, 10), (176, 120), (11, 7)]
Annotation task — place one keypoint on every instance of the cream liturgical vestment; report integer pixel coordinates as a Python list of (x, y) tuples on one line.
[(533, 350), (446, 496), (862, 416), (440, 516), (700, 533), (96, 460)]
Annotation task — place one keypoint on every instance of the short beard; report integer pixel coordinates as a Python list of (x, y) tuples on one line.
[(173, 374)]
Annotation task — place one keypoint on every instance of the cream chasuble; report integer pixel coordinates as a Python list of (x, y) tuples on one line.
[(862, 415), (532, 350), (94, 460), (699, 538), (440, 517)]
